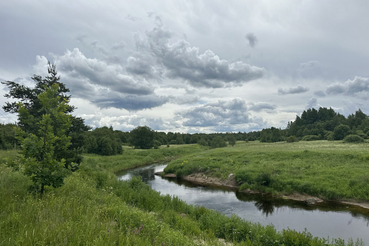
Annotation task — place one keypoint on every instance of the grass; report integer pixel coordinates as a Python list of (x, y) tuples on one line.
[(94, 208), (329, 169)]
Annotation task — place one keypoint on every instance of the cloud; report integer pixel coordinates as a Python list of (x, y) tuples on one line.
[(183, 61), (257, 107), (312, 103), (105, 85), (252, 39), (130, 102), (293, 90), (142, 67), (320, 93), (220, 116), (350, 87)]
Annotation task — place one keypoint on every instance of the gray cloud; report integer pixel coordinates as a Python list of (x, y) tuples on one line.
[(217, 114), (142, 67), (350, 87), (257, 107), (183, 61), (97, 72), (312, 103), (319, 93), (293, 90), (131, 102), (252, 39)]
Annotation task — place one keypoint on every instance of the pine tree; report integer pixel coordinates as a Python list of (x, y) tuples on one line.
[(39, 155)]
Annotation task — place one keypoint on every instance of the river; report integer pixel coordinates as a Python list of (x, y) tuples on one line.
[(328, 220)]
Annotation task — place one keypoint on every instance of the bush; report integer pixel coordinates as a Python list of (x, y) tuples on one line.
[(218, 142), (310, 138), (292, 139), (353, 139)]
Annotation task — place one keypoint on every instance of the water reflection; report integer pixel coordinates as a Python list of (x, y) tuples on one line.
[(331, 220)]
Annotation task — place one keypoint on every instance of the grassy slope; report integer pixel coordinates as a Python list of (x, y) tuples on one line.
[(94, 208), (332, 170)]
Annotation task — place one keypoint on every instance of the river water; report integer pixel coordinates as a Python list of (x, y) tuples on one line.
[(328, 220)]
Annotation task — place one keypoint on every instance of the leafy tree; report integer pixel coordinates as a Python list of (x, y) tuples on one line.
[(39, 146), (340, 132), (103, 141), (218, 142), (31, 102), (142, 137), (232, 140)]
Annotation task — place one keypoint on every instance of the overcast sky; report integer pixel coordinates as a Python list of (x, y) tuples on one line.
[(192, 66)]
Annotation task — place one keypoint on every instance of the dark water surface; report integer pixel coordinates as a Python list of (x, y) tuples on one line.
[(326, 220)]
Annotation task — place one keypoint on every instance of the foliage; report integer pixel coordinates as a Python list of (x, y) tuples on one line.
[(39, 150), (218, 142), (231, 140), (7, 136), (270, 135), (31, 102), (291, 139), (340, 132), (103, 141), (310, 138), (142, 137), (353, 139), (94, 208)]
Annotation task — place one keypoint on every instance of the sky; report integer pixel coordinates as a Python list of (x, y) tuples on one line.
[(191, 66)]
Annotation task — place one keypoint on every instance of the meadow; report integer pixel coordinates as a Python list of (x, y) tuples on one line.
[(332, 170), (94, 208)]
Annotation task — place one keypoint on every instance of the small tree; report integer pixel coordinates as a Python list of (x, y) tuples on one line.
[(142, 137), (232, 140), (39, 155), (218, 142)]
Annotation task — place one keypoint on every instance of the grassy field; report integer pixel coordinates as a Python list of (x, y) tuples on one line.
[(94, 208), (329, 169)]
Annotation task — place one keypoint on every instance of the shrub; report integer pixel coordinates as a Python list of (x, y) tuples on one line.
[(353, 139), (264, 179), (218, 142), (310, 138), (291, 139)]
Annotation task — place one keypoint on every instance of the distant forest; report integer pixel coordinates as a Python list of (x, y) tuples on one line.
[(322, 124)]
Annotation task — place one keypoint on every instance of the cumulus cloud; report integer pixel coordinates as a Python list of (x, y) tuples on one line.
[(293, 90), (257, 107), (350, 87), (183, 61), (106, 85), (252, 39), (312, 103), (221, 116)]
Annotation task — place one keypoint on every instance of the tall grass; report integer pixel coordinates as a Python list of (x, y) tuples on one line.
[(332, 170), (94, 208)]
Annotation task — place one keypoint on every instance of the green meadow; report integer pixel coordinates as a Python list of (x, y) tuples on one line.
[(94, 208), (329, 169)]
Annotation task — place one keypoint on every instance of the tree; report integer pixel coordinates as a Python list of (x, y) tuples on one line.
[(340, 132), (142, 137), (31, 102), (39, 146), (218, 142), (232, 140)]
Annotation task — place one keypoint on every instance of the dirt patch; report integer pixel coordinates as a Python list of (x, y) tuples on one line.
[(202, 179)]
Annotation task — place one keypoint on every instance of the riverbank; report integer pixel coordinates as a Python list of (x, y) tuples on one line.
[(231, 184), (93, 207), (307, 171)]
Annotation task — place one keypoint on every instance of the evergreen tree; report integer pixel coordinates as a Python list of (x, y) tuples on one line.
[(29, 97), (39, 146)]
